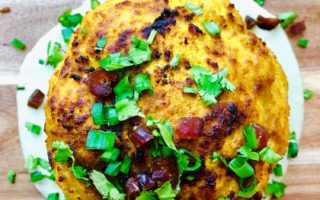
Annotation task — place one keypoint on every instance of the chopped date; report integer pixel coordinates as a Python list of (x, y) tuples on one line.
[(132, 187), (262, 135), (100, 82), (267, 23), (189, 128), (297, 28), (146, 182), (140, 136), (250, 22), (36, 99)]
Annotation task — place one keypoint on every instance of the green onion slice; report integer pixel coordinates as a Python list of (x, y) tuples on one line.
[(287, 18), (33, 128), (123, 89), (142, 82), (36, 176), (211, 27), (67, 20), (194, 8), (101, 43), (189, 90), (66, 34), (94, 4), (241, 167), (269, 156), (175, 60), (111, 155), (260, 2), (278, 170), (251, 138), (151, 37), (111, 116), (308, 94), (100, 140), (18, 43), (216, 156), (249, 191), (53, 196), (303, 42), (197, 159), (54, 55), (11, 175), (113, 169), (125, 165), (97, 113), (246, 152), (293, 148), (276, 189)]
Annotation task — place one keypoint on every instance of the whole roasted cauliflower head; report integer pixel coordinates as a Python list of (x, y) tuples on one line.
[(166, 99)]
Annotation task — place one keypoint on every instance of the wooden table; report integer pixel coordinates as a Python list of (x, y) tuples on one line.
[(31, 19)]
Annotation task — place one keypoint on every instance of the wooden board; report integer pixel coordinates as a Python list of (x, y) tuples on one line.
[(303, 177)]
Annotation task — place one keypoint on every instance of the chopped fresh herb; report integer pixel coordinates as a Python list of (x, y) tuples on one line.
[(53, 196), (115, 62), (250, 190), (110, 155), (97, 113), (166, 191), (166, 132), (251, 138), (83, 31), (41, 62), (147, 195), (32, 163), (111, 115), (194, 8), (142, 82), (152, 35), (80, 173), (94, 4), (241, 167), (278, 170), (63, 151), (308, 94), (66, 34), (210, 86), (140, 51), (287, 18), (260, 2), (68, 20), (189, 90), (33, 128), (11, 176), (126, 109), (196, 158), (113, 168), (269, 156), (21, 87), (54, 56), (18, 43), (212, 28), (175, 60), (101, 43), (276, 189), (125, 165), (216, 156), (246, 152), (123, 89), (105, 187), (303, 42), (293, 148), (223, 198), (36, 176), (100, 140)]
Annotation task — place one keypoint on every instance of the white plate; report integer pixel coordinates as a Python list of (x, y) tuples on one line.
[(35, 76)]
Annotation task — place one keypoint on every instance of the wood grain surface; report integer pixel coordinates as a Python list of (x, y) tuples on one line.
[(30, 19)]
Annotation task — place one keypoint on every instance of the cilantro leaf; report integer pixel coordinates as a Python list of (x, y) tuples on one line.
[(127, 108)]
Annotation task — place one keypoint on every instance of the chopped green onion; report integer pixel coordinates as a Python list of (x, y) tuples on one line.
[(123, 89), (197, 159), (113, 169), (211, 27), (115, 62), (241, 167), (11, 175), (223, 198), (105, 187), (308, 94), (67, 20), (111, 155), (140, 51), (194, 8), (101, 43), (269, 156), (63, 151), (31, 163), (54, 56), (33, 128), (303, 42), (100, 140), (18, 43), (166, 191), (111, 116), (278, 170), (249, 191), (189, 90), (125, 165), (41, 61), (246, 152), (53, 196), (165, 151), (66, 34), (276, 189), (21, 87), (293, 148), (142, 82), (127, 108), (97, 113), (94, 4), (147, 195), (216, 156), (83, 31), (260, 2), (175, 60), (287, 18), (152, 35), (251, 138), (36, 176)]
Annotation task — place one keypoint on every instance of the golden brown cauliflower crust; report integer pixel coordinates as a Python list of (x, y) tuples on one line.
[(261, 96)]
